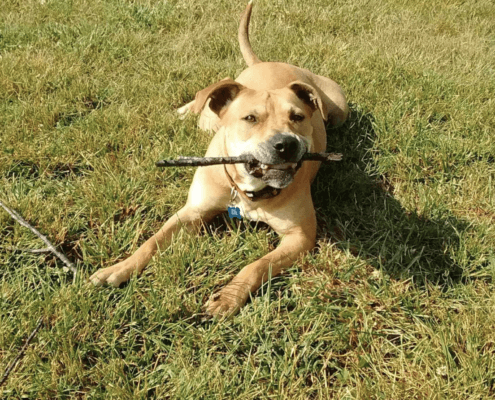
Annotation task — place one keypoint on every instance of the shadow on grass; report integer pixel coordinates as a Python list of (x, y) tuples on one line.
[(356, 209)]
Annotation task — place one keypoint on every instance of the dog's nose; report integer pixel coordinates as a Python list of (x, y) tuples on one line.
[(286, 147)]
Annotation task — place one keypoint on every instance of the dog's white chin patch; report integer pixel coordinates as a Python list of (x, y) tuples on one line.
[(249, 183)]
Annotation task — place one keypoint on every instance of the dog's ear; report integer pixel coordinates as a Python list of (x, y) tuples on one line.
[(220, 94), (310, 96)]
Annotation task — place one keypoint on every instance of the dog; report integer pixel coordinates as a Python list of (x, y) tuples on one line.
[(275, 112)]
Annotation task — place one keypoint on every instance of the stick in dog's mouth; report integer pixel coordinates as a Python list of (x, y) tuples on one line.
[(248, 160), (279, 166)]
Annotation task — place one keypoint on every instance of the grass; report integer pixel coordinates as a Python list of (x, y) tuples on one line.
[(395, 302)]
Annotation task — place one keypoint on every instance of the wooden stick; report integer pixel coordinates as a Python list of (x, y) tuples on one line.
[(52, 248), (14, 362), (246, 159)]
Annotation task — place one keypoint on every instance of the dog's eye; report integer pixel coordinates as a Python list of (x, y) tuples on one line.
[(296, 117), (250, 118)]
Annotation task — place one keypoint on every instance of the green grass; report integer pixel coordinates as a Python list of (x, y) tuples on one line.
[(397, 300)]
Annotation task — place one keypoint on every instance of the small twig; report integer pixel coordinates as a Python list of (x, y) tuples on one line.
[(323, 157), (52, 248), (246, 159), (21, 353), (33, 251)]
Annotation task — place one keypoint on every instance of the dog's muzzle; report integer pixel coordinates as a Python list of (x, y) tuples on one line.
[(279, 160)]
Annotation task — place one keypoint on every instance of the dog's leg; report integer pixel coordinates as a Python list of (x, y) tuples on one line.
[(233, 296), (207, 198), (187, 218)]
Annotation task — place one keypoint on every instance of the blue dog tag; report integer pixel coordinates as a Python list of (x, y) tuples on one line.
[(234, 212)]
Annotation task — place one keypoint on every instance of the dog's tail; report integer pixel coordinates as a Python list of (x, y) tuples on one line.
[(246, 50)]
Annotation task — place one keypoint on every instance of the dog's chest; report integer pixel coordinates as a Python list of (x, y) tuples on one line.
[(240, 208)]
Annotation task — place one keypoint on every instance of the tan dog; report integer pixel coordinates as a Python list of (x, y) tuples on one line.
[(275, 112)]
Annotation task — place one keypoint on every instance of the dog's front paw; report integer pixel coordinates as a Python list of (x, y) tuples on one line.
[(114, 275), (227, 302)]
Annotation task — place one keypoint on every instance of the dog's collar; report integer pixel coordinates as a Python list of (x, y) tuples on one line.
[(266, 193)]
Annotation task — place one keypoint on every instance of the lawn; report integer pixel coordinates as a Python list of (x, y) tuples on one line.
[(397, 299)]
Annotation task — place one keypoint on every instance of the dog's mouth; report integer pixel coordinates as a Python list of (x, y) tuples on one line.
[(278, 176), (258, 169)]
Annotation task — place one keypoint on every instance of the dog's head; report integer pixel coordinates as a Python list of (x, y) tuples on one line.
[(273, 126)]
